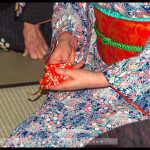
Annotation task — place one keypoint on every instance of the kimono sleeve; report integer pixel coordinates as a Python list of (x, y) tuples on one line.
[(131, 78), (70, 18)]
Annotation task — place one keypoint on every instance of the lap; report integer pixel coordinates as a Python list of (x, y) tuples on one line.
[(67, 119), (74, 118)]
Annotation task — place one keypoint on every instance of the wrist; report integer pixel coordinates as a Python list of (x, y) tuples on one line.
[(100, 80), (29, 26)]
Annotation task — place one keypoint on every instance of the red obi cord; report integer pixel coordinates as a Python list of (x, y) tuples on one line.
[(122, 31)]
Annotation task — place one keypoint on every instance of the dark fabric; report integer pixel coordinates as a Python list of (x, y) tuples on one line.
[(11, 29), (4, 6), (36, 12), (131, 135)]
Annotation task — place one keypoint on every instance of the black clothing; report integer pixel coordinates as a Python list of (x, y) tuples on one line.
[(11, 26)]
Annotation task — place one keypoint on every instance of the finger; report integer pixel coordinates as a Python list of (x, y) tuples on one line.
[(30, 46), (64, 57), (38, 51), (69, 84), (65, 72), (33, 54), (25, 52), (64, 60), (55, 58), (55, 61), (41, 51), (42, 44), (35, 47), (72, 57), (42, 40), (40, 54), (65, 85), (79, 65)]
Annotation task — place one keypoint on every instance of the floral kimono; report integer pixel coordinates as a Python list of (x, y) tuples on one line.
[(73, 119)]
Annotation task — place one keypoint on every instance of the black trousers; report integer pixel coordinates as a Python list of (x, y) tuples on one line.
[(11, 29)]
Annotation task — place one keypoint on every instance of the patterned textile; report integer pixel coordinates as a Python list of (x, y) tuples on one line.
[(72, 119), (18, 8), (131, 10)]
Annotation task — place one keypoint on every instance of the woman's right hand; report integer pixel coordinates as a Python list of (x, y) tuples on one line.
[(65, 49)]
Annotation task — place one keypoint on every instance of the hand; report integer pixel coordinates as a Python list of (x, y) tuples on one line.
[(80, 79), (65, 50), (35, 44)]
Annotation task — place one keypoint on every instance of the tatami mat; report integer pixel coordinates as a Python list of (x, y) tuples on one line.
[(15, 108), (15, 68), (18, 75)]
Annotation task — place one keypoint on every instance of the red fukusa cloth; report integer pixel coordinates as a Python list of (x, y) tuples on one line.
[(52, 78)]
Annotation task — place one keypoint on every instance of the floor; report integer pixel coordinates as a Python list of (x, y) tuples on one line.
[(18, 75)]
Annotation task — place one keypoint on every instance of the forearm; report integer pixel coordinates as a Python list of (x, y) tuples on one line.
[(130, 77), (99, 80)]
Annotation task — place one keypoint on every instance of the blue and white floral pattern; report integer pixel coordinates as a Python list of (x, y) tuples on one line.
[(72, 119)]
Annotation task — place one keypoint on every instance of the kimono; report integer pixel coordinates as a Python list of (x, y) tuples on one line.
[(13, 16), (74, 118)]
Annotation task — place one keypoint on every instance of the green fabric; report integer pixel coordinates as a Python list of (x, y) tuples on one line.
[(118, 15)]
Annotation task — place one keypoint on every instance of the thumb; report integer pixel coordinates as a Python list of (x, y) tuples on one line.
[(64, 72)]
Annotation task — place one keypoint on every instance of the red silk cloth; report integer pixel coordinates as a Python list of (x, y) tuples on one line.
[(51, 78), (122, 31)]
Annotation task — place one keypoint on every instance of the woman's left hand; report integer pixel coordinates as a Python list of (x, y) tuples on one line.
[(80, 79)]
